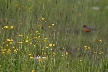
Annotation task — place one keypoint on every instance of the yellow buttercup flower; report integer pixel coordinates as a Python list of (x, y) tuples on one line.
[(53, 44), (15, 50), (26, 41), (20, 42), (95, 52), (100, 40), (31, 57), (43, 18), (20, 35), (32, 71), (66, 53), (5, 27), (89, 48), (11, 27), (80, 60), (50, 44), (8, 39), (29, 54), (3, 52), (37, 31), (85, 46), (52, 24)]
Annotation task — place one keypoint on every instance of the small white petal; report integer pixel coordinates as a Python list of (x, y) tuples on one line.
[(95, 8)]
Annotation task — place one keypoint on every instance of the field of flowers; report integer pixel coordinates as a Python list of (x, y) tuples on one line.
[(48, 36)]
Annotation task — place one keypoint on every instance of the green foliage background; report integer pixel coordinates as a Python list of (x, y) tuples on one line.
[(53, 29)]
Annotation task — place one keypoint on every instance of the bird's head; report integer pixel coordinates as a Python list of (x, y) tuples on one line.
[(84, 25)]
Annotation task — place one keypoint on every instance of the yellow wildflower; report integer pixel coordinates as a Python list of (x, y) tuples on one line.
[(44, 58), (99, 53), (15, 50), (26, 41), (89, 48), (20, 42), (80, 60), (44, 53), (29, 54), (52, 24), (31, 57), (13, 47), (27, 37), (10, 42), (32, 71), (46, 47), (8, 39), (37, 31), (50, 45), (3, 52), (49, 26), (53, 44), (3, 49), (38, 36), (45, 38), (42, 48), (85, 46), (20, 35), (5, 27), (100, 40), (95, 52), (34, 45), (7, 45), (11, 27), (66, 53), (43, 18)]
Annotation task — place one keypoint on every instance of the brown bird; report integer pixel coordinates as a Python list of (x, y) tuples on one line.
[(87, 29)]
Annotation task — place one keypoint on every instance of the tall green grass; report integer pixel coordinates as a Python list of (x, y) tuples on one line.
[(53, 30)]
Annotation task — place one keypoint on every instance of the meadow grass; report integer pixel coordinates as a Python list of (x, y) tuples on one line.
[(48, 36)]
